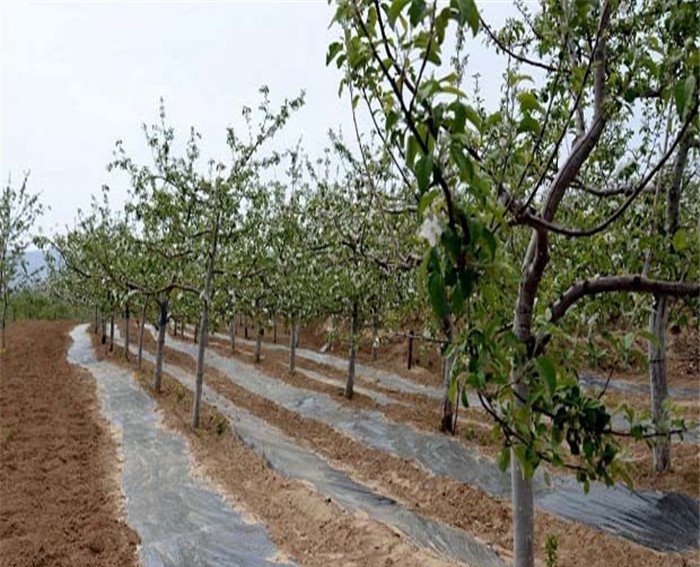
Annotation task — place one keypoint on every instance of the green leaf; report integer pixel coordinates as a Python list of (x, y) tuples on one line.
[(528, 101), (468, 13), (547, 371), (452, 392), (333, 50), (504, 459), (463, 162), (627, 341), (465, 397), (426, 200), (683, 92), (680, 241), (416, 11), (395, 10), (436, 290), (528, 124), (423, 171)]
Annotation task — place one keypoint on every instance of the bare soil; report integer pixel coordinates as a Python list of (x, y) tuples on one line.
[(440, 498), (60, 497)]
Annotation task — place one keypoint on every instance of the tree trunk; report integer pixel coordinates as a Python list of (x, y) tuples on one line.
[(375, 337), (111, 332), (261, 332), (447, 422), (103, 328), (204, 327), (274, 328), (658, 321), (142, 326), (126, 331), (97, 322), (659, 382), (293, 345), (162, 324), (350, 385), (523, 507), (410, 350), (232, 330), (174, 327), (245, 327), (3, 323), (195, 333)]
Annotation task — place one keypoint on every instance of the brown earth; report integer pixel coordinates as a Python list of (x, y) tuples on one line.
[(60, 497), (440, 498), (303, 524)]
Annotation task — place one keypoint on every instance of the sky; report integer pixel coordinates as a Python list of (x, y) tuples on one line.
[(76, 76)]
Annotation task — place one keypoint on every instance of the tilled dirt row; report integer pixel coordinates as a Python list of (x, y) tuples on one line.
[(60, 497), (442, 499)]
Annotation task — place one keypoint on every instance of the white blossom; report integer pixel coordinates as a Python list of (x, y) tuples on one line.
[(431, 230)]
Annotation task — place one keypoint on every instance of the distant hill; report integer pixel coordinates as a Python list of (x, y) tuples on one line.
[(36, 264)]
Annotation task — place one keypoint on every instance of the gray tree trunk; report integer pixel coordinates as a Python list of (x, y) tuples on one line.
[(103, 328), (659, 382), (350, 385), (261, 332), (160, 346), (111, 332), (195, 333), (294, 330), (142, 326), (375, 337), (127, 337), (447, 421), (204, 328), (658, 321)]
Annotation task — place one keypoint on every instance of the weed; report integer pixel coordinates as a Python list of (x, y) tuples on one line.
[(551, 550)]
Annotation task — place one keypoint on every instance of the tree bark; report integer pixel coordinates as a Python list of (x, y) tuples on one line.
[(160, 351), (127, 337), (274, 328), (261, 332), (195, 333), (3, 322), (410, 350), (447, 421), (142, 326), (375, 337), (232, 331), (103, 328), (658, 321), (350, 385), (204, 327), (111, 332), (294, 329), (97, 322)]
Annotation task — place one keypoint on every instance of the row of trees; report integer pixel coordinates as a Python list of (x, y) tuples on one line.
[(500, 218), (577, 183)]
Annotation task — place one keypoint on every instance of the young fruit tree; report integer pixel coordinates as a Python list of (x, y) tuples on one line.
[(499, 188), (19, 211)]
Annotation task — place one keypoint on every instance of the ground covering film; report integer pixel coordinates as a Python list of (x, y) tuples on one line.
[(295, 462), (180, 519), (661, 521)]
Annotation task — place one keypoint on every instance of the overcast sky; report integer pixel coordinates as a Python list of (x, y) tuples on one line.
[(77, 76)]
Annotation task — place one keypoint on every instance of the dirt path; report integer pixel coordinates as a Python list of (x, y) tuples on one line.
[(60, 501)]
